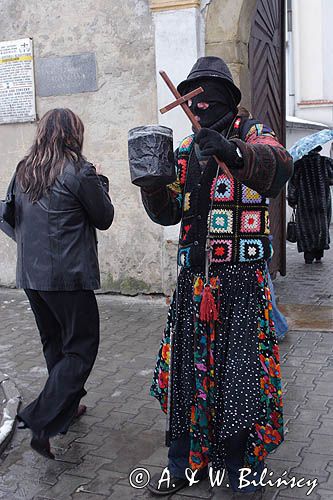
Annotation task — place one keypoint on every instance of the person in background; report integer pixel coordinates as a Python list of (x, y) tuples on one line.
[(309, 192), (60, 200)]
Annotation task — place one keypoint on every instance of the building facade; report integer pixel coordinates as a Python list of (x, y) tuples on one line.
[(130, 41)]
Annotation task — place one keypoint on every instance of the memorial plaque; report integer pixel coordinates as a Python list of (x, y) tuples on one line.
[(66, 75), (17, 86)]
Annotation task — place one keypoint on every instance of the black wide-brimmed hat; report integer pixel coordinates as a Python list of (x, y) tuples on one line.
[(211, 67)]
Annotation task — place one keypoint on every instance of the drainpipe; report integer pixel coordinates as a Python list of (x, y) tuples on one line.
[(290, 57)]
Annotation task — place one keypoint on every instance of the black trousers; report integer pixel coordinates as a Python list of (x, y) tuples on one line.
[(235, 451), (68, 323), (315, 253)]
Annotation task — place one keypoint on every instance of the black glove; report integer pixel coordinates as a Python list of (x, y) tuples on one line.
[(212, 143)]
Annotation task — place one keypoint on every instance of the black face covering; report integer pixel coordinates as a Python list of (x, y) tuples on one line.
[(220, 103)]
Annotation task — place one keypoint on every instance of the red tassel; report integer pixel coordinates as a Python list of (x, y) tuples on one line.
[(208, 309)]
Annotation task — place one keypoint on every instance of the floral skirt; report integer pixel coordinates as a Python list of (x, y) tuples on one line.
[(223, 376)]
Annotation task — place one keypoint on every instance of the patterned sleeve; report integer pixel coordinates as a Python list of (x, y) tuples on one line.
[(267, 164), (164, 204)]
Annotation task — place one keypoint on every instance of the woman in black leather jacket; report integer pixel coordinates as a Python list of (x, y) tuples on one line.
[(60, 200)]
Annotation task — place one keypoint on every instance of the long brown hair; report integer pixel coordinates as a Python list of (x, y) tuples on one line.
[(59, 139)]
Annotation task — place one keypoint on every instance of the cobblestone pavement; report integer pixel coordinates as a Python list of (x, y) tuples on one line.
[(123, 427)]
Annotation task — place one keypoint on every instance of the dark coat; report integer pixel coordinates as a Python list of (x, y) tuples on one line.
[(309, 190), (56, 236)]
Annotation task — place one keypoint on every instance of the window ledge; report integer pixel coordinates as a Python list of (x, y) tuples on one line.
[(316, 102)]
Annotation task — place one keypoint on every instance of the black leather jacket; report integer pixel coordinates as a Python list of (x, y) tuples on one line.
[(56, 236)]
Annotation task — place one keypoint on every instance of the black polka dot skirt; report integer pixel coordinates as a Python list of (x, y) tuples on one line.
[(215, 378)]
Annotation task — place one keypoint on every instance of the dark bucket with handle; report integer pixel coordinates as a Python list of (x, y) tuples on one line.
[(151, 156)]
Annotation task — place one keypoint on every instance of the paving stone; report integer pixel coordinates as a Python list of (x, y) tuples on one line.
[(200, 490), (319, 359), (146, 415), (133, 406), (309, 340), (305, 379), (296, 393), (297, 493), (104, 482), (270, 494), (326, 429), (312, 464), (323, 389), (75, 452), (82, 495), (299, 432), (63, 489), (329, 403), (299, 351), (82, 425), (324, 494), (288, 372), (290, 408), (62, 442), (328, 483), (280, 466), (124, 426), (96, 436), (128, 493), (51, 470), (314, 402), (292, 362), (310, 416), (158, 457), (115, 421), (89, 466), (321, 445), (91, 399), (289, 451)]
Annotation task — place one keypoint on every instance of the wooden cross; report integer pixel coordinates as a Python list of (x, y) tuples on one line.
[(182, 101)]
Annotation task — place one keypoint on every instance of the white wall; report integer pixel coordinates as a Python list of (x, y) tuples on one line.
[(308, 16), (313, 52), (327, 33), (121, 35), (177, 47)]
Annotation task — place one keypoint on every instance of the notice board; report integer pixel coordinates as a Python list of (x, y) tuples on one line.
[(17, 83)]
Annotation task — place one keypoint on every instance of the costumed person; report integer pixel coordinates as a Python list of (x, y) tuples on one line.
[(218, 372), (309, 193), (60, 200)]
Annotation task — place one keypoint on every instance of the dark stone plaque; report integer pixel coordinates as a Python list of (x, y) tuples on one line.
[(65, 75)]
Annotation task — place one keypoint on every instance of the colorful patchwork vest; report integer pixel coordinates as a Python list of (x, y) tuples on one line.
[(238, 222)]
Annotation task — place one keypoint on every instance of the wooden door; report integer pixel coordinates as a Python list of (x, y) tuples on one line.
[(267, 70)]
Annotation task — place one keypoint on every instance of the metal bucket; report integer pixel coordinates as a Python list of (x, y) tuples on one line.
[(151, 156)]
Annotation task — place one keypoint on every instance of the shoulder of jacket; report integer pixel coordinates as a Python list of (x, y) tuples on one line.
[(73, 176), (253, 127), (86, 167), (186, 144)]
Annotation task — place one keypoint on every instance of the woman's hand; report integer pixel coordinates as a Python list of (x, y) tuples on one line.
[(98, 168)]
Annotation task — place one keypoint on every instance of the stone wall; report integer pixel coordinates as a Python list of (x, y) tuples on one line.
[(120, 34), (228, 26)]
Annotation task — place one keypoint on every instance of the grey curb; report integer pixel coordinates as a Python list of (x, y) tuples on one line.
[(10, 402)]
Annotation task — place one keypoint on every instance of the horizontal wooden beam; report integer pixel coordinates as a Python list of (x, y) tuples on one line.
[(160, 5), (181, 100)]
